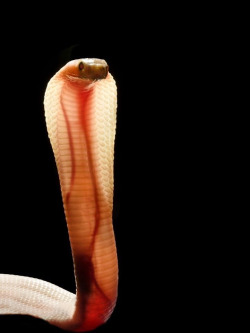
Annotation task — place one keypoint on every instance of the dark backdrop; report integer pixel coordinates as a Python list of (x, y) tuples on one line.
[(163, 170), (34, 240)]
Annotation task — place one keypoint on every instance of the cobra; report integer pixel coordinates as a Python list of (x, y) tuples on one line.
[(80, 110)]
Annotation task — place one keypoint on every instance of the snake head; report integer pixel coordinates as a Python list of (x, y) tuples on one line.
[(93, 69), (87, 70)]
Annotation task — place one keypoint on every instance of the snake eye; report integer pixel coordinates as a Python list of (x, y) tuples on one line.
[(81, 66)]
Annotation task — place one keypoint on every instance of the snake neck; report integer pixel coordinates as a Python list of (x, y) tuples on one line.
[(87, 198)]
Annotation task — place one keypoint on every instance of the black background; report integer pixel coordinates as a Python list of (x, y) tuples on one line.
[(34, 240), (167, 158)]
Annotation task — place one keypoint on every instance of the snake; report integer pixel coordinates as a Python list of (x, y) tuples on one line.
[(80, 104)]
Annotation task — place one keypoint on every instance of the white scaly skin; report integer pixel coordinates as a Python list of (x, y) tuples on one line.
[(81, 120)]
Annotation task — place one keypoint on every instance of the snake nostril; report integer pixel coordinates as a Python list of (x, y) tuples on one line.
[(81, 66)]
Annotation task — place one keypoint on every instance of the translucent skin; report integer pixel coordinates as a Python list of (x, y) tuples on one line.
[(80, 110)]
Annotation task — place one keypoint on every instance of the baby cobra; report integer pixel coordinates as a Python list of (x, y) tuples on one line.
[(80, 110)]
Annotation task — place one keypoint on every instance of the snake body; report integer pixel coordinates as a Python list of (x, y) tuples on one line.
[(80, 111)]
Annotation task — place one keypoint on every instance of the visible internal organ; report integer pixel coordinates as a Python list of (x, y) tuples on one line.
[(85, 201)]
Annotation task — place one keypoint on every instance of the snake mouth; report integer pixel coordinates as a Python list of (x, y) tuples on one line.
[(93, 69)]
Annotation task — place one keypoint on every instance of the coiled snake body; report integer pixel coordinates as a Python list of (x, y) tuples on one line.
[(80, 111)]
